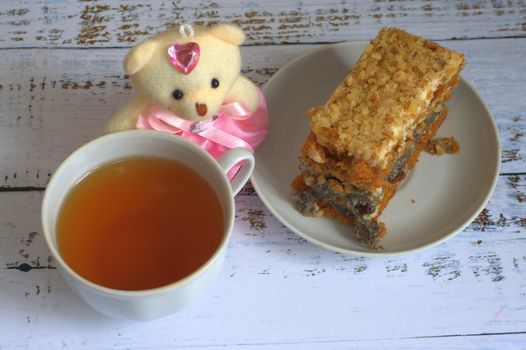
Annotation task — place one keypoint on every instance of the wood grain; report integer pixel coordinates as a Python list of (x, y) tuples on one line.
[(61, 78), (53, 101), (298, 295), (106, 23)]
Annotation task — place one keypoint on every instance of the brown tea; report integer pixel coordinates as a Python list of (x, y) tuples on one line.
[(139, 223)]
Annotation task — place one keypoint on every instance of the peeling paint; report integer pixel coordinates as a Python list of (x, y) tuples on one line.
[(395, 267), (248, 190), (313, 272), (351, 263), (489, 265), (482, 221), (513, 181), (101, 24), (443, 267), (512, 155), (29, 239), (93, 30), (256, 219)]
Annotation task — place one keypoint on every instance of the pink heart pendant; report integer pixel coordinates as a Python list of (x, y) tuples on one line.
[(184, 57)]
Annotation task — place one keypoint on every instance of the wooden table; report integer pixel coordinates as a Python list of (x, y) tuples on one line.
[(61, 78)]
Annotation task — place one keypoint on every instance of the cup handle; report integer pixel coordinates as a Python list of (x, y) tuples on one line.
[(230, 158)]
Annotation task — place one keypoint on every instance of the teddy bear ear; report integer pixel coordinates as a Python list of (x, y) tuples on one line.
[(229, 33), (138, 56)]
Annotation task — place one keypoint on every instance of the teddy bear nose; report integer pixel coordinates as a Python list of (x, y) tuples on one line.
[(201, 109)]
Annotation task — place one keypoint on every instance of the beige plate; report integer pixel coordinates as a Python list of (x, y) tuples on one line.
[(448, 191)]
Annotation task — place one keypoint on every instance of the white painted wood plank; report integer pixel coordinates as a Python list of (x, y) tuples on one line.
[(276, 290), (501, 342), (53, 101), (107, 23), (483, 342), (486, 342), (279, 291)]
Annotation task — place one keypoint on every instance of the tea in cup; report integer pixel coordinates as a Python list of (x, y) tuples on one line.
[(138, 221)]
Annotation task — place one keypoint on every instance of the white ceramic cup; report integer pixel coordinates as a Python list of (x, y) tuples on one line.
[(158, 302)]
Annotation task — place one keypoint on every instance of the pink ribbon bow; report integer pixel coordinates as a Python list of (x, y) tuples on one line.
[(234, 126)]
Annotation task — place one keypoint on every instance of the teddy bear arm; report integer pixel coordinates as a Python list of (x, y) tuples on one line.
[(126, 117), (244, 91)]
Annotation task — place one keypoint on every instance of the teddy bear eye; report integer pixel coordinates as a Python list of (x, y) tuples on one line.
[(214, 83), (177, 94)]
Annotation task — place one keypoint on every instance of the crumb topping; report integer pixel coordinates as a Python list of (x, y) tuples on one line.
[(383, 96), (442, 145)]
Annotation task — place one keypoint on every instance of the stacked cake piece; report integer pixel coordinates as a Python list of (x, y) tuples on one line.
[(370, 132)]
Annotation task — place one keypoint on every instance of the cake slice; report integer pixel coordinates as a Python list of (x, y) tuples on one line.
[(370, 132)]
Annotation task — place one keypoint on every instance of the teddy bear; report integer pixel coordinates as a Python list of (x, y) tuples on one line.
[(189, 83)]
